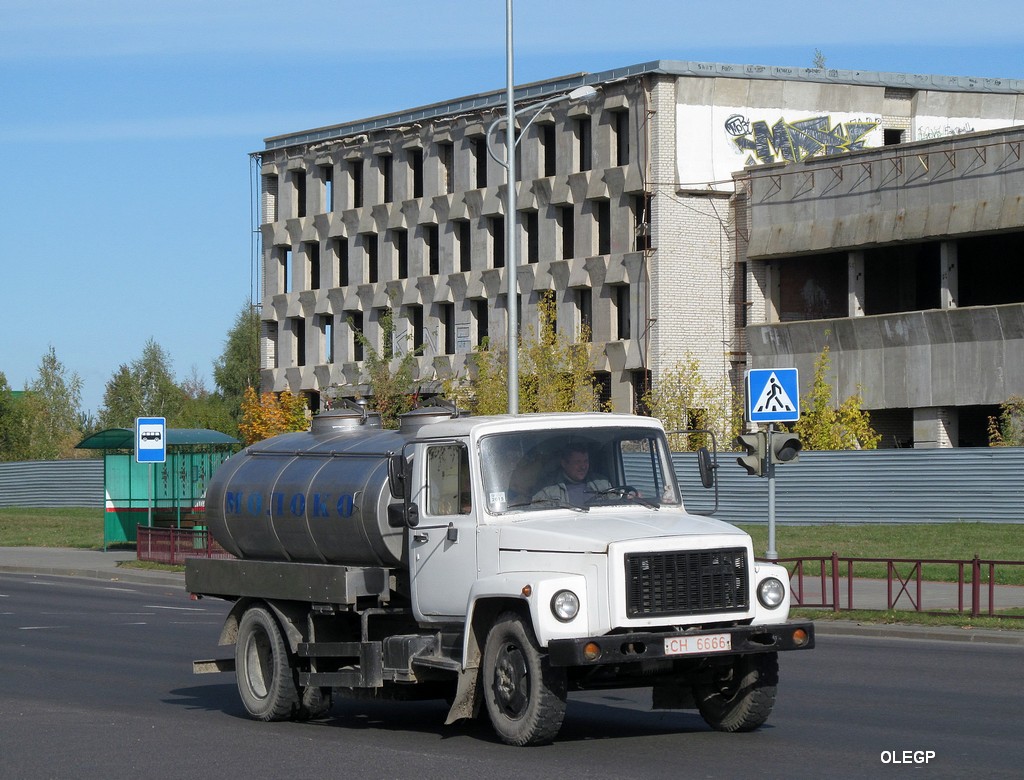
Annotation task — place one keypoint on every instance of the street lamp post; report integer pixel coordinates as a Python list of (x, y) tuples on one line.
[(585, 93)]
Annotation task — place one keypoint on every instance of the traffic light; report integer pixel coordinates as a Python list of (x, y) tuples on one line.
[(785, 447), (755, 447)]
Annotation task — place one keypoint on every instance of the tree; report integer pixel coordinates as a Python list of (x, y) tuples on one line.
[(161, 396), (13, 427), (145, 387), (53, 410), (203, 409), (122, 399), (1007, 430), (555, 372), (270, 414), (822, 426), (390, 378), (819, 60), (238, 366), (683, 400)]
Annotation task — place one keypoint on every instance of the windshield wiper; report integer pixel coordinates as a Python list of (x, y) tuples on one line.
[(549, 503)]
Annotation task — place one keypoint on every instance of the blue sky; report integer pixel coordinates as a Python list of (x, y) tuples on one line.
[(127, 126)]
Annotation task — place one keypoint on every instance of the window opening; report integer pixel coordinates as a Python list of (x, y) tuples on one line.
[(583, 135), (448, 480), (546, 134), (567, 224), (299, 188), (370, 245), (479, 150), (356, 174), (387, 166), (313, 255), (431, 235), (327, 175), (416, 166)]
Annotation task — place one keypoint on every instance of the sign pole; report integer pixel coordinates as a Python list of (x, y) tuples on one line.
[(771, 554), (773, 396), (150, 448)]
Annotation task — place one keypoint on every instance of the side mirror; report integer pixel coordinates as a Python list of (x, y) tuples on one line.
[(706, 466)]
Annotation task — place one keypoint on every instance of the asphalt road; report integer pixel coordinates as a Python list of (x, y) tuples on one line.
[(95, 682)]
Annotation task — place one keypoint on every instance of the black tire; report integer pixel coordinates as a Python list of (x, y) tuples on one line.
[(263, 669), (739, 697), (524, 695)]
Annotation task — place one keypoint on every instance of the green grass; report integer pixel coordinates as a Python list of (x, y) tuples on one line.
[(78, 528), (945, 541)]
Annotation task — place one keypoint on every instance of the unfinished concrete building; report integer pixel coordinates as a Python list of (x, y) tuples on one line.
[(627, 212), (905, 262)]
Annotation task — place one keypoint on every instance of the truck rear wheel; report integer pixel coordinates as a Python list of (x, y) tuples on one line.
[(739, 697), (524, 695), (263, 670)]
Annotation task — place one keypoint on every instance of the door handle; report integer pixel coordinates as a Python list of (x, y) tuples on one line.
[(420, 537)]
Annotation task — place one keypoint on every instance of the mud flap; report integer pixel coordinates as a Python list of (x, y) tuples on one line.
[(467, 698)]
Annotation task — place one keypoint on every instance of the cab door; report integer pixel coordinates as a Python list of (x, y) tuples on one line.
[(442, 547)]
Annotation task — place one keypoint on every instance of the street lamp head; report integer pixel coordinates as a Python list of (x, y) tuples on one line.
[(583, 94)]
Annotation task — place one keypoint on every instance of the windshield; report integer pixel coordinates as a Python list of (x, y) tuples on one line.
[(577, 470)]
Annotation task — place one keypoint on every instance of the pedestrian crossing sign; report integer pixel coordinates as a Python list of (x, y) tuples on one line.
[(773, 395)]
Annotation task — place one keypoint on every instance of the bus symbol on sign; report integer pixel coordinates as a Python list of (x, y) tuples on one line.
[(773, 395)]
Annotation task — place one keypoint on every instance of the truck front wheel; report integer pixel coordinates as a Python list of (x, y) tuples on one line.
[(263, 671), (525, 696), (739, 697)]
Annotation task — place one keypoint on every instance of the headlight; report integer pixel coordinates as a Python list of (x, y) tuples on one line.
[(771, 592), (565, 605)]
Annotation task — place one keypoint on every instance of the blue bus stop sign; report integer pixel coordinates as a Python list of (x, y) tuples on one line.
[(773, 395), (150, 440)]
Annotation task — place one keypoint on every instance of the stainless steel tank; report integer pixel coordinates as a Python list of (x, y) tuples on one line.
[(320, 496)]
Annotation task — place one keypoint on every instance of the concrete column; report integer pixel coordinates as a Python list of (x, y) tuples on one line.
[(936, 427), (773, 291), (949, 292), (856, 284)]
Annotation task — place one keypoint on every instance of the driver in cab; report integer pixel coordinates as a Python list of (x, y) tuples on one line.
[(576, 486)]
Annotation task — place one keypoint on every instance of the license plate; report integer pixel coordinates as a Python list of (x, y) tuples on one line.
[(698, 645)]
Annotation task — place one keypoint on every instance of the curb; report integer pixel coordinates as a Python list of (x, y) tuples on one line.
[(845, 628), (160, 579)]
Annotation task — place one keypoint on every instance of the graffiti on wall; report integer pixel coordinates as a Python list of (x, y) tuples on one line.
[(927, 133), (795, 141)]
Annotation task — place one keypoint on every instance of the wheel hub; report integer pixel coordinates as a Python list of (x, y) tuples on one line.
[(511, 683)]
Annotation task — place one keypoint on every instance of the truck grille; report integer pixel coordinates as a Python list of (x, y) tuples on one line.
[(686, 583)]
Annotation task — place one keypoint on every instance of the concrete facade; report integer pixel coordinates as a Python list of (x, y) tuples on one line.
[(628, 213)]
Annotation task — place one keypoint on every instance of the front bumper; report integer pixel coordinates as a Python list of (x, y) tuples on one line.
[(647, 645)]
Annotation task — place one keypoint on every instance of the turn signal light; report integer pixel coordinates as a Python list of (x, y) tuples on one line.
[(799, 637), (591, 651)]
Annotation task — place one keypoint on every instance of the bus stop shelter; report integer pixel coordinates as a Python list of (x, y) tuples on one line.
[(177, 492)]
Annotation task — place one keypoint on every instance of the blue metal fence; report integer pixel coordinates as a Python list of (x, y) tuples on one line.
[(870, 486), (52, 483)]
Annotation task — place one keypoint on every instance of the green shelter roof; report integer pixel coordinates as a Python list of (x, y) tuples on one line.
[(124, 439)]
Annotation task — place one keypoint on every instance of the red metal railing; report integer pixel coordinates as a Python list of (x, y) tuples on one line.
[(822, 582), (173, 545)]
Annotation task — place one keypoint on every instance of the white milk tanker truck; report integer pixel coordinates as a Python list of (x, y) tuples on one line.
[(495, 562)]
